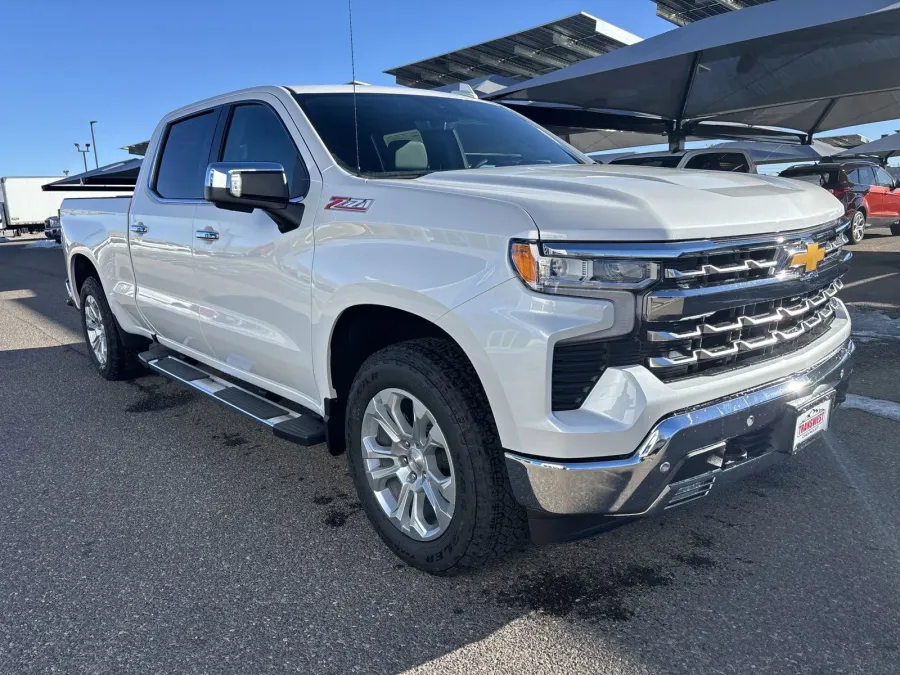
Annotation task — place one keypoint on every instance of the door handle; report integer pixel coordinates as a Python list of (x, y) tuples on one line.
[(139, 228), (209, 235)]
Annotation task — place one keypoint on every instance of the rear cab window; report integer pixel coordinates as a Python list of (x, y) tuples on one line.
[(666, 162), (734, 162)]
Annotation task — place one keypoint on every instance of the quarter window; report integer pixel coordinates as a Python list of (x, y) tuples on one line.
[(256, 134), (185, 156), (884, 178)]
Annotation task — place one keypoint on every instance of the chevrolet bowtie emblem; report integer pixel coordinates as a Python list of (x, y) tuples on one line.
[(810, 259)]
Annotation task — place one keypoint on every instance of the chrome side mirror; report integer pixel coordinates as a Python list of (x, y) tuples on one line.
[(244, 186)]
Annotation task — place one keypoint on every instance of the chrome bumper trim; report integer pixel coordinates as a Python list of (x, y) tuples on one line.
[(636, 485)]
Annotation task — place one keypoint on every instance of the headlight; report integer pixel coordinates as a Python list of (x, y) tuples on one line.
[(581, 276)]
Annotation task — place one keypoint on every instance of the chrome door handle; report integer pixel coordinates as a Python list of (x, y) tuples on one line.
[(206, 234), (139, 228)]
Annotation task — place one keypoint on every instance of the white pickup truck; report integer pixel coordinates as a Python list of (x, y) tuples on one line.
[(503, 336)]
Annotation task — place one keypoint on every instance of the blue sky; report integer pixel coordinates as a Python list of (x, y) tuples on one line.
[(126, 64)]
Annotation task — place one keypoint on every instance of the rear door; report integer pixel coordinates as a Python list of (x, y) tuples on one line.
[(161, 234), (253, 281), (890, 196), (874, 199)]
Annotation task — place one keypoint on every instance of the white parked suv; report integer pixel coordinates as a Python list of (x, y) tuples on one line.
[(504, 337), (702, 159)]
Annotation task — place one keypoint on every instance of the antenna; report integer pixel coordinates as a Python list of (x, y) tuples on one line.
[(353, 81)]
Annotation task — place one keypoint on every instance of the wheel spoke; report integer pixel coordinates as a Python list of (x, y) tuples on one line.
[(402, 425), (401, 514), (374, 450), (380, 476), (386, 421), (418, 520), (435, 440), (421, 422), (442, 484), (442, 508)]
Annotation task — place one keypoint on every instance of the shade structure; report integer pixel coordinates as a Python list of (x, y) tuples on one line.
[(782, 153), (519, 56), (884, 147), (802, 65), (116, 176)]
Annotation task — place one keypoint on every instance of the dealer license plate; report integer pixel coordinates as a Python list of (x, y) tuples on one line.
[(812, 421)]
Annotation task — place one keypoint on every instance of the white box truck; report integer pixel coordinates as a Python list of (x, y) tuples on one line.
[(23, 205)]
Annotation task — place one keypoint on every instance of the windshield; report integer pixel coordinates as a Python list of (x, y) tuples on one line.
[(402, 135)]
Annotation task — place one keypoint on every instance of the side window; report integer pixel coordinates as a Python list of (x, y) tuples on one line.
[(185, 156), (256, 134), (719, 161), (853, 176), (866, 176), (884, 178)]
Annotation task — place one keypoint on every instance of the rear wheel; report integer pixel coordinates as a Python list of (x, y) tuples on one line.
[(858, 227), (427, 461), (107, 347)]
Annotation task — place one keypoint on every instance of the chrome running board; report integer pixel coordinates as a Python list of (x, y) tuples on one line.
[(301, 428)]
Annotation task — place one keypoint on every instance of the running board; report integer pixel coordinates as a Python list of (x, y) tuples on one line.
[(300, 428)]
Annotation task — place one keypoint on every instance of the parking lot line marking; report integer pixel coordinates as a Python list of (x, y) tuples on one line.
[(874, 406)]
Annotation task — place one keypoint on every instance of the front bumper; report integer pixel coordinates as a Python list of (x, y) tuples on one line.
[(676, 461)]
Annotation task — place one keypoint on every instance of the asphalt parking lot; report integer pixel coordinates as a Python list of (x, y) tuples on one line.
[(144, 529)]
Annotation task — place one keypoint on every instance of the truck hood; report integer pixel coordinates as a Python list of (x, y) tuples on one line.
[(592, 202)]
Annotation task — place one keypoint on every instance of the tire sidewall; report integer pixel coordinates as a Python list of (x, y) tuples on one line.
[(446, 550)]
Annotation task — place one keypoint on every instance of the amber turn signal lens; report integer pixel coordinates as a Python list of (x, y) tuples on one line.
[(523, 259)]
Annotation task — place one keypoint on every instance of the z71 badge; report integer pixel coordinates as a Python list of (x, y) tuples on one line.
[(349, 204)]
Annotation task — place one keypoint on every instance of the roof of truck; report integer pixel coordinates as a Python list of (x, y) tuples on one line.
[(365, 89)]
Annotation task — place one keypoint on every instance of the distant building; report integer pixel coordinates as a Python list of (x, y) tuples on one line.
[(683, 12)]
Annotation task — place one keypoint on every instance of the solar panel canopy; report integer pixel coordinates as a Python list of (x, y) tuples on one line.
[(520, 56), (683, 12), (790, 64)]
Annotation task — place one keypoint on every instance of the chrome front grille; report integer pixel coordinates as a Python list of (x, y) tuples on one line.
[(748, 260), (741, 330), (718, 305)]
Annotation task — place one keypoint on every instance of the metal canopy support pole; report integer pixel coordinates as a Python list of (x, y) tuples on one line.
[(677, 135), (819, 121)]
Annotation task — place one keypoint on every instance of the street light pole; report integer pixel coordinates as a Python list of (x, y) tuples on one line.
[(87, 149), (94, 141)]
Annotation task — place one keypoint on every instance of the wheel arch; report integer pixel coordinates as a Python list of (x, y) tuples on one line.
[(359, 331)]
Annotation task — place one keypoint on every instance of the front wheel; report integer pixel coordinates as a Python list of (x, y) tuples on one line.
[(858, 227), (427, 461)]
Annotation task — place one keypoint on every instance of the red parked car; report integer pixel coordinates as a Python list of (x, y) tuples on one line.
[(870, 194)]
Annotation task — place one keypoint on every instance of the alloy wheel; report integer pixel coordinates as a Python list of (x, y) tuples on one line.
[(96, 331), (408, 464)]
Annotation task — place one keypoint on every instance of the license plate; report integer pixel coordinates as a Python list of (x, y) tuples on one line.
[(812, 421)]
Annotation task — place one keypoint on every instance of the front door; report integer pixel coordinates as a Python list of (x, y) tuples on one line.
[(161, 234), (890, 197), (253, 281)]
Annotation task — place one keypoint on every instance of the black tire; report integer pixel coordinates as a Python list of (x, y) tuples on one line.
[(121, 353), (855, 233), (487, 522), (895, 229)]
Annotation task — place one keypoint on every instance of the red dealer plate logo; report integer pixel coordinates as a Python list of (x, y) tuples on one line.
[(812, 421)]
